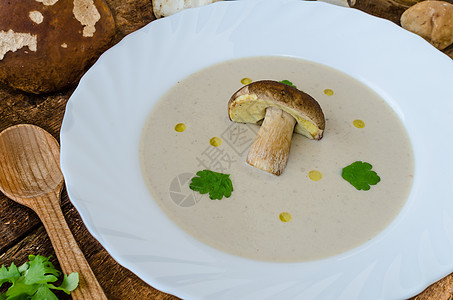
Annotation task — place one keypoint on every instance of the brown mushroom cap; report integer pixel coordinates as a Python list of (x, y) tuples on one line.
[(248, 105), (47, 45)]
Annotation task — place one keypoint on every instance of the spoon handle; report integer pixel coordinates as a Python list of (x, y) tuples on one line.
[(68, 252)]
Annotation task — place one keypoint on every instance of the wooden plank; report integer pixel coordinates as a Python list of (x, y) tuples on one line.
[(15, 222), (130, 15)]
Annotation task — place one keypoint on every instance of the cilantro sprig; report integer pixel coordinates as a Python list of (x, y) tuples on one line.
[(33, 280), (216, 184), (359, 174), (287, 82)]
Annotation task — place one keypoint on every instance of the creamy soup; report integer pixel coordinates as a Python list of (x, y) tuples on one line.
[(309, 212)]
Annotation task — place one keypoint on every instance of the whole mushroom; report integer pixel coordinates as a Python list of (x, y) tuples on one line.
[(282, 109), (47, 45), (432, 20)]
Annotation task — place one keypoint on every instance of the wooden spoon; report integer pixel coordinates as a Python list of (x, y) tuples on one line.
[(30, 175)]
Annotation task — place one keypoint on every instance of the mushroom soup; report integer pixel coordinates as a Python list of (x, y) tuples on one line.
[(309, 211)]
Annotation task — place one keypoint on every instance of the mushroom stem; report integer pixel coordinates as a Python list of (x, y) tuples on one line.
[(270, 149)]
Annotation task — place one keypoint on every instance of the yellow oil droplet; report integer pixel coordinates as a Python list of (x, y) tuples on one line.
[(358, 123), (246, 80), (285, 217), (315, 175), (215, 141), (328, 92), (180, 127)]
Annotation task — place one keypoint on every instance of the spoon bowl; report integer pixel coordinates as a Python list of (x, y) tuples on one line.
[(30, 175), (29, 163)]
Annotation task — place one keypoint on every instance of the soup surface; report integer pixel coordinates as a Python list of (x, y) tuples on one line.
[(309, 212)]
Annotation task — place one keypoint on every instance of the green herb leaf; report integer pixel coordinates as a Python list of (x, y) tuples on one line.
[(287, 82), (32, 280), (41, 270), (24, 267), (359, 174), (70, 282), (44, 293), (10, 274), (21, 290), (216, 184)]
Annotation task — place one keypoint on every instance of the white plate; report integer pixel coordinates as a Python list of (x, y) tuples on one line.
[(105, 115)]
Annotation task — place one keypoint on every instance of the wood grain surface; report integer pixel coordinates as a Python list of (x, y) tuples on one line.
[(30, 175), (21, 232)]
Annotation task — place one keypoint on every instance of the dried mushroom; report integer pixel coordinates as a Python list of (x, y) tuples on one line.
[(432, 20), (46, 45), (282, 109)]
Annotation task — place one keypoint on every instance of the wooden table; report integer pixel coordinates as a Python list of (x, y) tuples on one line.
[(21, 232)]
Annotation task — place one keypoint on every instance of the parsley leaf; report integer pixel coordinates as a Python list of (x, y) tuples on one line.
[(44, 293), (32, 280), (41, 270), (10, 274), (21, 290), (287, 82), (69, 283), (359, 174), (216, 184)]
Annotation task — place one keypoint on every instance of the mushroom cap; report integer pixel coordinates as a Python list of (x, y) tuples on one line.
[(432, 20), (249, 103), (47, 45)]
